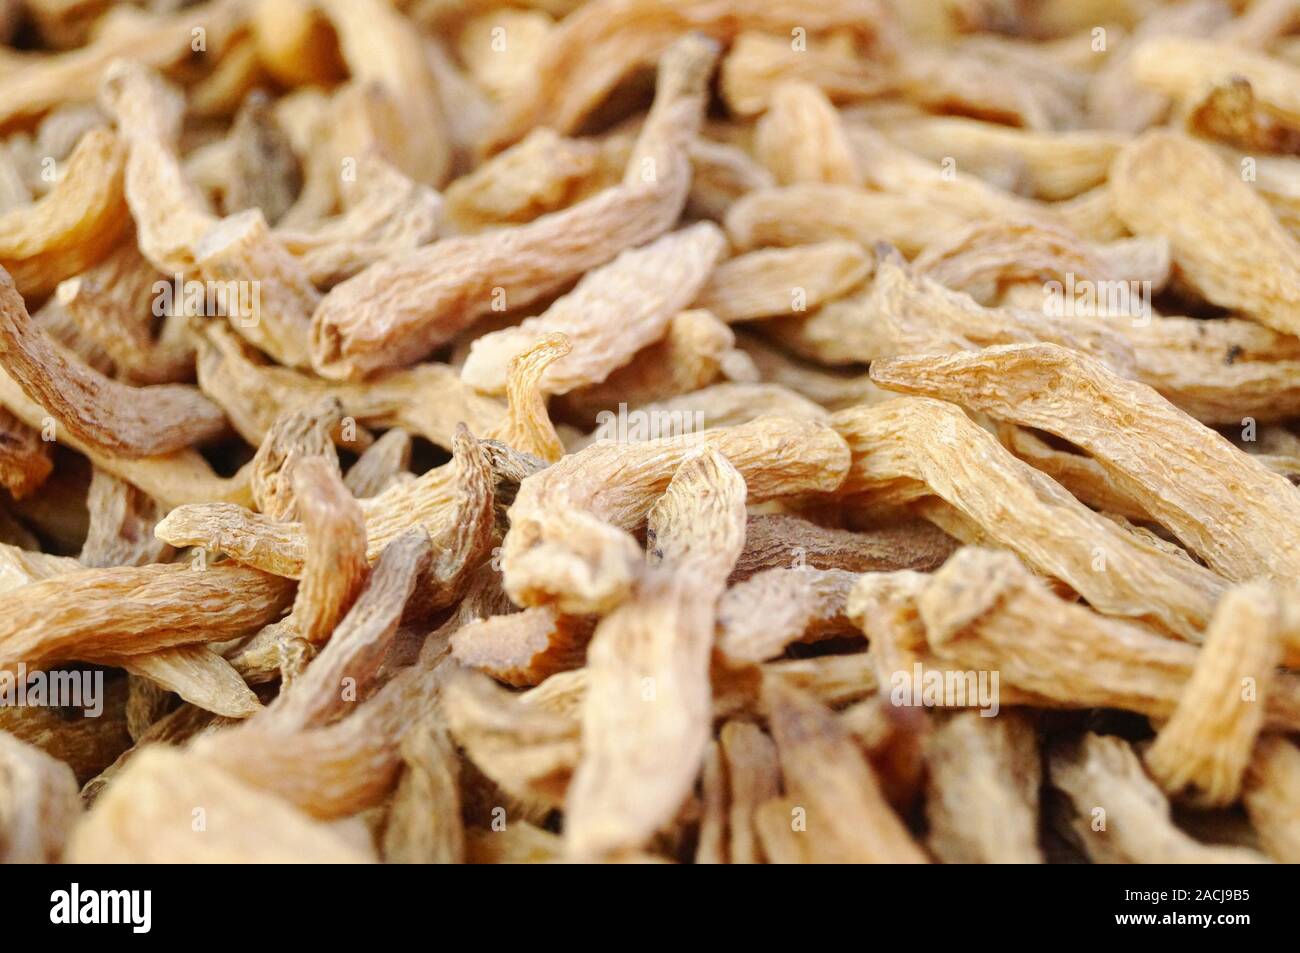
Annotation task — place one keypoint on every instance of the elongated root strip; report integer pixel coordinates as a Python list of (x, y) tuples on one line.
[(345, 671), (527, 425), (982, 790), (74, 225), (524, 648), (568, 542), (1225, 240), (838, 812), (648, 285), (1206, 744), (129, 611), (396, 311), (1243, 519), (790, 542), (984, 612), (759, 617), (147, 815), (111, 416), (912, 447), (646, 716), (199, 675), (1118, 815)]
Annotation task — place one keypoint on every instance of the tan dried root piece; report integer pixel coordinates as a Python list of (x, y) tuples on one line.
[(982, 790), (384, 214), (1206, 744), (265, 293), (479, 46), (295, 436), (346, 670), (1184, 68), (74, 225), (809, 213), (196, 673), (379, 46), (1227, 244), (1272, 789), (52, 80), (782, 541), (1081, 475), (60, 326), (758, 63), (429, 400), (147, 702), (333, 572), (170, 214), (396, 311), (1118, 815), (834, 680), (784, 281), (384, 463), (130, 611), (595, 48), (759, 617), (112, 306), (646, 718), (753, 776), (236, 531), (716, 406), (569, 541), (1231, 113), (424, 820), (711, 847), (543, 172), (1235, 513), (984, 258), (999, 81), (722, 172), (147, 815), (341, 768), (440, 500), (524, 648), (273, 296), (528, 751), (114, 417), (1048, 165), (978, 609), (836, 809), (18, 567), (802, 139), (527, 425), (24, 457), (672, 375), (644, 286), (295, 43), (1115, 99), (907, 449), (908, 312), (122, 520), (38, 804)]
